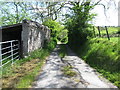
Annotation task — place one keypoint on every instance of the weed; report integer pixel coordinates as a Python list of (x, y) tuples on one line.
[(68, 71)]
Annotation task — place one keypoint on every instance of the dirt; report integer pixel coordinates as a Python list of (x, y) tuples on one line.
[(9, 81)]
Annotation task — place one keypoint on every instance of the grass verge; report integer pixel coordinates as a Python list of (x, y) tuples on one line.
[(104, 56), (24, 71), (26, 81)]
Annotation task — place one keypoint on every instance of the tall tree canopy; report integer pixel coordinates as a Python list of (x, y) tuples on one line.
[(15, 12)]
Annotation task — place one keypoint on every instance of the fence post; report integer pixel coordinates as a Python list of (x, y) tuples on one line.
[(0, 55), (94, 31), (107, 32), (0, 48), (0, 58), (0, 65), (11, 51), (99, 31)]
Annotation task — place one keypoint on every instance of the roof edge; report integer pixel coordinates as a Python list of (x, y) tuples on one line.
[(10, 26)]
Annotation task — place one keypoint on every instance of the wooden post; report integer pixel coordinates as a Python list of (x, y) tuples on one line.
[(99, 31), (107, 32), (0, 52), (0, 66), (94, 31), (0, 58), (0, 44)]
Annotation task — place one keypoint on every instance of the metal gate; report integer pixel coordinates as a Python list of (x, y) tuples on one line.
[(9, 52)]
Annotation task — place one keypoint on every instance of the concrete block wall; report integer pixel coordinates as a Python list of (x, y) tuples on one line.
[(33, 36)]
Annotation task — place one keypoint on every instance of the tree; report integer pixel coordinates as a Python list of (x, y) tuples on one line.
[(58, 32), (77, 20), (14, 14), (78, 25)]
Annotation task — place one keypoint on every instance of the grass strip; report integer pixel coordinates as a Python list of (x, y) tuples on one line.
[(104, 56), (67, 70)]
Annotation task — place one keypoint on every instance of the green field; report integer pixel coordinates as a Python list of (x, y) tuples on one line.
[(111, 30)]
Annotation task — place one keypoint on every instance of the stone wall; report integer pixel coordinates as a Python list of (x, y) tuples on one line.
[(33, 36)]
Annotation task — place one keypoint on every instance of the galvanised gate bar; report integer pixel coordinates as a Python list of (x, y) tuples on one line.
[(9, 52)]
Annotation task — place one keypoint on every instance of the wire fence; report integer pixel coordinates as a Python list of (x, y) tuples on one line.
[(9, 52), (106, 31)]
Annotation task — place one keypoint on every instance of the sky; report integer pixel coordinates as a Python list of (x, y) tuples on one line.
[(111, 18), (102, 19)]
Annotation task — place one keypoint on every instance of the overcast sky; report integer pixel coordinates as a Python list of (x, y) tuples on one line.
[(101, 19), (111, 18)]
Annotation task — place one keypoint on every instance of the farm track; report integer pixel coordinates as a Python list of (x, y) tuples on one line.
[(53, 77)]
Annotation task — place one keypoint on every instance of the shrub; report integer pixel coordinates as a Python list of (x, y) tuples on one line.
[(58, 33)]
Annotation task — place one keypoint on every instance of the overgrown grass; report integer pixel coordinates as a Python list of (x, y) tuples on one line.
[(104, 56), (63, 50), (67, 70), (24, 71), (27, 80)]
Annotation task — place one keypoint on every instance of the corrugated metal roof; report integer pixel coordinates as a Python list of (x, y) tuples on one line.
[(10, 26)]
